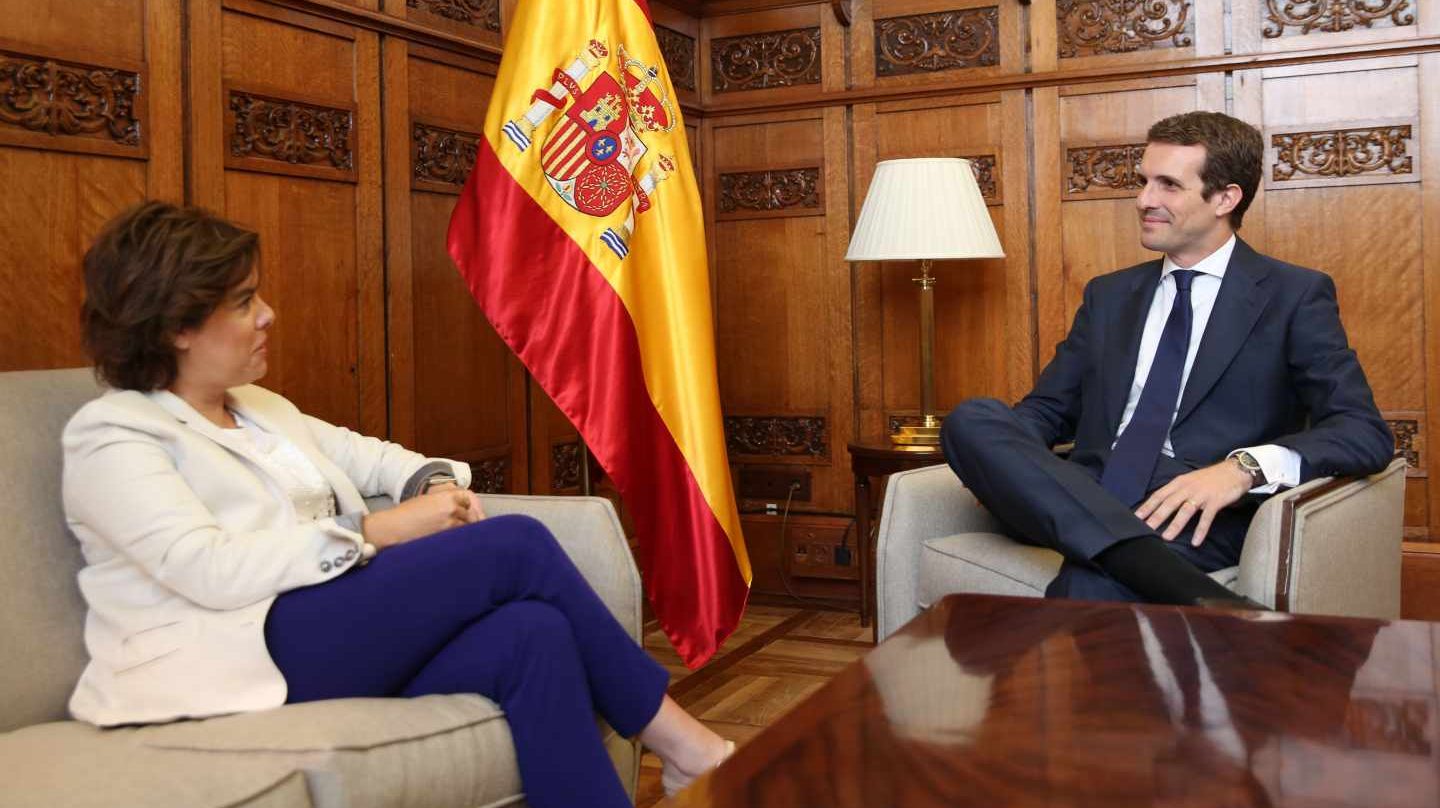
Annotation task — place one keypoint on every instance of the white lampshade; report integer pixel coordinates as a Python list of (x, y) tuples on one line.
[(924, 207)]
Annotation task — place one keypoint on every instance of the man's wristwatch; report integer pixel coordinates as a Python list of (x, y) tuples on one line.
[(1251, 466)]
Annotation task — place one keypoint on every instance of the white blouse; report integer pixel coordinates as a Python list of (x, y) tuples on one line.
[(300, 481)]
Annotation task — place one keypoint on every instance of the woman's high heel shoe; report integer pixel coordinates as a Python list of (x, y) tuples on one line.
[(674, 780)]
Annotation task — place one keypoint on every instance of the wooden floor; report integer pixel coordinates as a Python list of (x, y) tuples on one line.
[(777, 657)]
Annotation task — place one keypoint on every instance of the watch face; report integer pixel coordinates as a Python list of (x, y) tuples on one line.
[(1248, 462)]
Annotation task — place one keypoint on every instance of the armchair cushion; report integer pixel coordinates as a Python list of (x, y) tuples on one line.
[(79, 766), (983, 562), (431, 750)]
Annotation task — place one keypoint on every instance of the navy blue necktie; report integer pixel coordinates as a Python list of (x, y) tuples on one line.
[(1127, 473)]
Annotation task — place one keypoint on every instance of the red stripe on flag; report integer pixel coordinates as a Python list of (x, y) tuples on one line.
[(572, 150), (574, 334), (565, 141), (571, 169)]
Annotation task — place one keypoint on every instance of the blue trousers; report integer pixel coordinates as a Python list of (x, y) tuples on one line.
[(494, 608), (1047, 501)]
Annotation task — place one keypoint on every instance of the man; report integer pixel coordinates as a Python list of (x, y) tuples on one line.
[(1186, 384)]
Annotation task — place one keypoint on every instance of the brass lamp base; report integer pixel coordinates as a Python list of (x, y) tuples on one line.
[(922, 434)]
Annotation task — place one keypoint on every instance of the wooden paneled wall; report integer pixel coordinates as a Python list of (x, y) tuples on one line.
[(789, 105), (70, 160)]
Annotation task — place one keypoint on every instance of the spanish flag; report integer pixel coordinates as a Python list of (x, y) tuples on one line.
[(580, 235)]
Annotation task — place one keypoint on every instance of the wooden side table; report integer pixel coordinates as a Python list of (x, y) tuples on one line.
[(878, 460)]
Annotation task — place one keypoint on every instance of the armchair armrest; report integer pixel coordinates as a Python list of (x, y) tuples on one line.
[(1330, 546), (919, 504), (590, 533)]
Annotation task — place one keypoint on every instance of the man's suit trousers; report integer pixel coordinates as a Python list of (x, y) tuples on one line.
[(1045, 500)]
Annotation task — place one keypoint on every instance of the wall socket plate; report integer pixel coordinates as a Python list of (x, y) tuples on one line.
[(772, 483), (812, 553)]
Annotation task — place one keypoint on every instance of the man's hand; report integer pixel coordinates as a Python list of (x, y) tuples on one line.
[(1205, 492), (420, 516)]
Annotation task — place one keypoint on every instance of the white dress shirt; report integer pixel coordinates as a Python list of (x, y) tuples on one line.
[(1280, 464)]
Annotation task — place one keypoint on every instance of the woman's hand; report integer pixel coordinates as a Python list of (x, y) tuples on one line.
[(476, 511), (428, 513)]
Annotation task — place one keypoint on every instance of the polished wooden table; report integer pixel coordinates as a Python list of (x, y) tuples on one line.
[(994, 701), (868, 461)]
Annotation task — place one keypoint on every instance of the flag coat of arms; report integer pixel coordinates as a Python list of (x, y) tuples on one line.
[(580, 235)]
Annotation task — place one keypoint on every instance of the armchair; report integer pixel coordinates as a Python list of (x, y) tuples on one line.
[(432, 751), (1330, 546)]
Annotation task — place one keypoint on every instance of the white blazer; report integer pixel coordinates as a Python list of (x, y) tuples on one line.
[(187, 541)]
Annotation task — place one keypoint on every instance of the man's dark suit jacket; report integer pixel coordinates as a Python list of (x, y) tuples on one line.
[(1274, 367)]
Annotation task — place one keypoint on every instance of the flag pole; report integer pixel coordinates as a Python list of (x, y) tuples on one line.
[(585, 486)]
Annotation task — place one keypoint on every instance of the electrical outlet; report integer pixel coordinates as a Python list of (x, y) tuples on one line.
[(821, 552)]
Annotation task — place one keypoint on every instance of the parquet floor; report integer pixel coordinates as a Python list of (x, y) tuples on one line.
[(777, 657)]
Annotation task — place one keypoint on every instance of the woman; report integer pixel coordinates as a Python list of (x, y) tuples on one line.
[(231, 564)]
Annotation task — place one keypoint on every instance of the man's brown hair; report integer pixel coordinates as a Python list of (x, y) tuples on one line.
[(154, 271), (1234, 152)]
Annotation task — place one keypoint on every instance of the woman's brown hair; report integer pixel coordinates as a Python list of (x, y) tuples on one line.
[(154, 271)]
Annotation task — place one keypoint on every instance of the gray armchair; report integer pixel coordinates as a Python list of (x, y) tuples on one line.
[(1330, 546), (430, 751)]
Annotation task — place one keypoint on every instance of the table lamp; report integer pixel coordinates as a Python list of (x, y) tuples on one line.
[(924, 209)]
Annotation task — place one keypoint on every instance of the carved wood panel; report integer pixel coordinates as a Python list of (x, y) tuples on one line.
[(69, 98), (679, 52), (1346, 155), (1101, 27), (441, 158), (765, 60), (286, 136), (771, 192), (565, 466), (1409, 432), (1287, 18), (490, 476), (1102, 172), (769, 437), (478, 13), (983, 166), (932, 43)]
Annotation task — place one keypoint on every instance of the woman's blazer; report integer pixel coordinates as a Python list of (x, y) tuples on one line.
[(187, 541)]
